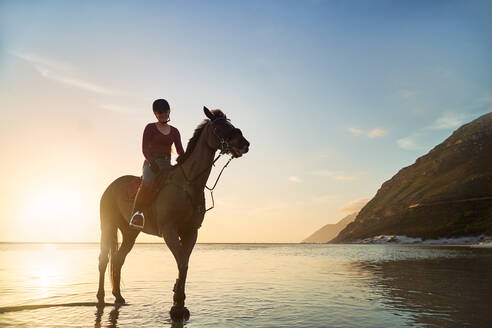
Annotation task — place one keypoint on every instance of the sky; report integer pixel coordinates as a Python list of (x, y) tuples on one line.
[(335, 98)]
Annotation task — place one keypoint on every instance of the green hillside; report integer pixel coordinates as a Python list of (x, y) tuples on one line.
[(445, 193)]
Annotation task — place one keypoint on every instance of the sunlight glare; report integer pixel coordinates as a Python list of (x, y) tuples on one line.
[(53, 212), (46, 270)]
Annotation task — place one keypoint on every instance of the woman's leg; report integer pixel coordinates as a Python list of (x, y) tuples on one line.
[(141, 198)]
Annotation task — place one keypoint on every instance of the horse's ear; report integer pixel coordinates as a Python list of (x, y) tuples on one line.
[(208, 113)]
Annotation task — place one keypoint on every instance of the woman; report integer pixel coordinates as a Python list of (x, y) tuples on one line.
[(157, 140)]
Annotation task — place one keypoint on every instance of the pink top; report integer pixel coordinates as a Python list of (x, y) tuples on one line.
[(155, 143)]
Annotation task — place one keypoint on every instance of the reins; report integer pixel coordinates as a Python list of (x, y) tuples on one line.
[(200, 174), (190, 181), (215, 184)]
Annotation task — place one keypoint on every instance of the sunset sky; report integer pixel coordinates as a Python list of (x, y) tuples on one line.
[(334, 96)]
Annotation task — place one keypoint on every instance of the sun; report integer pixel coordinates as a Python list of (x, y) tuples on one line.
[(52, 204)]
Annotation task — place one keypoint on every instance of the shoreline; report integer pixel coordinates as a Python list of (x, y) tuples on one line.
[(476, 241)]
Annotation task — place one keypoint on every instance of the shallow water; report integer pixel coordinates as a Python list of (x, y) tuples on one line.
[(254, 285)]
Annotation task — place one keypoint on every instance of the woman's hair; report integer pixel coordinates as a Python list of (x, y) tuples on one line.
[(160, 106)]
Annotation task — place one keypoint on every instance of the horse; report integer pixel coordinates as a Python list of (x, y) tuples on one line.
[(179, 207)]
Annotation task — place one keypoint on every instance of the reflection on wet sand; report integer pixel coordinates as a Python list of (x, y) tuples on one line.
[(439, 292), (113, 317), (44, 306)]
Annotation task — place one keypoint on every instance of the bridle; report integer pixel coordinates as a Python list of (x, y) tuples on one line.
[(223, 143)]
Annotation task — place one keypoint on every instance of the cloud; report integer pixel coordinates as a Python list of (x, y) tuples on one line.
[(418, 140), (447, 121), (57, 71), (295, 179), (354, 206), (77, 83), (374, 133), (377, 133), (355, 131), (45, 62), (407, 143)]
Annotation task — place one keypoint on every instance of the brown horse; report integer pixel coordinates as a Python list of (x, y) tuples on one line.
[(179, 206)]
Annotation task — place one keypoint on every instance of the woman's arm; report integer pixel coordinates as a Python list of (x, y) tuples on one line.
[(177, 142), (147, 137)]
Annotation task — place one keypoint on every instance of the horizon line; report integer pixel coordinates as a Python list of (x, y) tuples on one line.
[(156, 243)]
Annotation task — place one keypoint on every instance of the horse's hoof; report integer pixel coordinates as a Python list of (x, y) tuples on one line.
[(186, 314), (179, 313), (119, 300)]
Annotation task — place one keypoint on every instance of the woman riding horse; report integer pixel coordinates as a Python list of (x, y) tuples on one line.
[(156, 146), (179, 207)]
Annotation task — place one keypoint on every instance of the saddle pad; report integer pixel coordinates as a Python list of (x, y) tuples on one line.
[(131, 189), (130, 192)]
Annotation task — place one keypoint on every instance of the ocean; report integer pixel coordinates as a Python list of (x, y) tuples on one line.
[(252, 285)]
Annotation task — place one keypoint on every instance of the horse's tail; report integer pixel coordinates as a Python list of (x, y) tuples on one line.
[(112, 251)]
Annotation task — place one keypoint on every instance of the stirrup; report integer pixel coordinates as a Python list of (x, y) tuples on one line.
[(135, 225)]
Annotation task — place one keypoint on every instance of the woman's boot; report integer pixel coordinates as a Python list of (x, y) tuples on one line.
[(138, 219)]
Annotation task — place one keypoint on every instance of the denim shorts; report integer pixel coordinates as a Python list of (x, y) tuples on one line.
[(164, 163)]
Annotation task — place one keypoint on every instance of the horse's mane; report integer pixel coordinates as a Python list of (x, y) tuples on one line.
[(196, 135)]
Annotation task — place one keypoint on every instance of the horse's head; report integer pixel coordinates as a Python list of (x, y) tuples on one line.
[(225, 136)]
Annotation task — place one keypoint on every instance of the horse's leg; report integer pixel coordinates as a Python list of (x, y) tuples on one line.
[(171, 237), (188, 241), (129, 237), (108, 241), (109, 238), (181, 250)]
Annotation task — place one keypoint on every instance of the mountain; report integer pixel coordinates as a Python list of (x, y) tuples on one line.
[(445, 193), (329, 231)]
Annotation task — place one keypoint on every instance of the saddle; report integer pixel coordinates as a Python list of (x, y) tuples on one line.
[(148, 197)]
